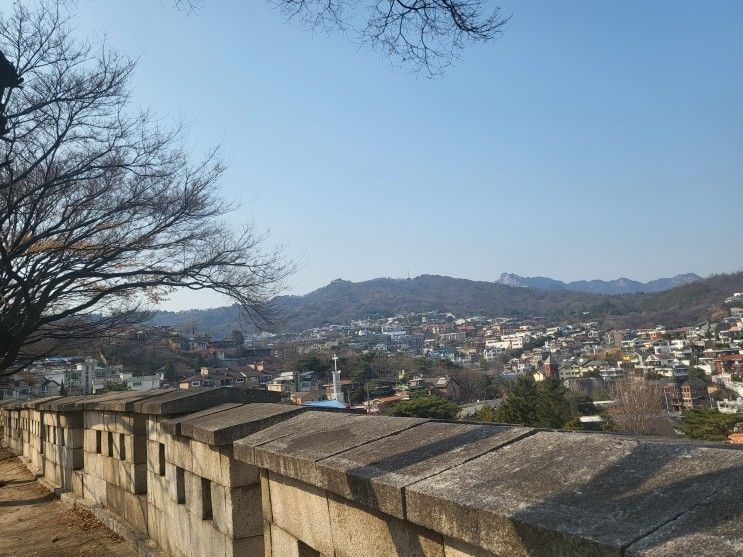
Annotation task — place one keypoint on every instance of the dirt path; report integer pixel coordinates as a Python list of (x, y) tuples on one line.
[(34, 522)]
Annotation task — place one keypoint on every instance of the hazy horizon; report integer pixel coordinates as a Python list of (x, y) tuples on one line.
[(180, 301), (589, 141)]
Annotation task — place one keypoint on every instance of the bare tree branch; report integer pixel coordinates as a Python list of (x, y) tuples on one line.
[(102, 213), (428, 35)]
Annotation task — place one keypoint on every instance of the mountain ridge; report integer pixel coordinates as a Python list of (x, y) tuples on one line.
[(341, 301), (622, 285)]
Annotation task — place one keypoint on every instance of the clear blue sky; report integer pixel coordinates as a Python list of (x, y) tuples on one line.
[(592, 140)]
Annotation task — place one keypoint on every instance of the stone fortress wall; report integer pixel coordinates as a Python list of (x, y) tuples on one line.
[(227, 472)]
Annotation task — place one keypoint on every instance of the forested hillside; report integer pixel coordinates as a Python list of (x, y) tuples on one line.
[(342, 301)]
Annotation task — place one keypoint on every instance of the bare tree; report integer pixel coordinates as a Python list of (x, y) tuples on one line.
[(639, 405), (426, 34), (473, 383), (101, 211)]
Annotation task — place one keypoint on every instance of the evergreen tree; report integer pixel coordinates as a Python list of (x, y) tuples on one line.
[(426, 407), (519, 406), (543, 404), (709, 425), (552, 404), (169, 372), (486, 414)]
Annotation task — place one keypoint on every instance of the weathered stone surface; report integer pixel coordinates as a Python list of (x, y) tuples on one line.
[(712, 528), (302, 511), (237, 510), (36, 403), (172, 426), (157, 491), (205, 540), (63, 404), (570, 494), (245, 547), (297, 445), (225, 427), (180, 401), (456, 548), (206, 461), (131, 507), (360, 532), (94, 488), (121, 401), (265, 495), (282, 543), (376, 473), (178, 451)]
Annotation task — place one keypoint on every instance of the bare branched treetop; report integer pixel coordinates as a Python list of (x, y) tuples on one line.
[(102, 212), (425, 35)]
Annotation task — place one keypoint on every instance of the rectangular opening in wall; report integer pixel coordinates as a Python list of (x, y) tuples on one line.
[(306, 551), (61, 436), (110, 444), (180, 485), (206, 499), (122, 446), (161, 458), (98, 441)]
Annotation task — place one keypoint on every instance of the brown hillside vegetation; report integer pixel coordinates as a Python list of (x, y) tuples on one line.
[(342, 301)]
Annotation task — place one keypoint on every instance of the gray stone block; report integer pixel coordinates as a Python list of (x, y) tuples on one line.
[(120, 401), (360, 532), (225, 427), (237, 511), (181, 401), (130, 507), (282, 544), (172, 426), (299, 444), (245, 547), (302, 511), (570, 494), (711, 528), (375, 474)]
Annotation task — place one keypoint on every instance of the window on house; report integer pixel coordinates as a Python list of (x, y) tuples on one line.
[(180, 485), (61, 436), (206, 499), (195, 383), (110, 444), (98, 441), (122, 446), (161, 458)]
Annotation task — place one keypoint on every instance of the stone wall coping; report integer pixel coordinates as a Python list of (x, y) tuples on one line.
[(506, 489), (172, 426), (512, 489), (224, 427), (293, 448), (63, 404), (10, 404), (180, 401), (35, 403), (119, 401), (577, 494)]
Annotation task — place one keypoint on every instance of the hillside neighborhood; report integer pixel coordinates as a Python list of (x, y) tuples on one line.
[(468, 360)]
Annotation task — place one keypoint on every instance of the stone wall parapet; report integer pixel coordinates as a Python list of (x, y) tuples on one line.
[(219, 472)]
